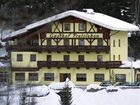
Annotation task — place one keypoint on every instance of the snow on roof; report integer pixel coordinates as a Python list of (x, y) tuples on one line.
[(3, 52), (2, 65), (15, 33), (131, 64), (96, 18)]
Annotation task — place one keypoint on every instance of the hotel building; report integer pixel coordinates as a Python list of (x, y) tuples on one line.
[(86, 47)]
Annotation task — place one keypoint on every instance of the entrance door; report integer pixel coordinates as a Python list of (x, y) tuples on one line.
[(63, 76)]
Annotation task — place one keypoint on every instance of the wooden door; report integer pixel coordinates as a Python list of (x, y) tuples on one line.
[(63, 76)]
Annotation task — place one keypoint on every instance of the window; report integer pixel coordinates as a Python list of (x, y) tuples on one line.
[(67, 27), (81, 42), (49, 58), (19, 76), (33, 76), (119, 43), (100, 42), (120, 77), (81, 58), (49, 42), (66, 42), (34, 42), (138, 77), (66, 58), (81, 26), (119, 57), (3, 77), (113, 43), (81, 77), (33, 57), (21, 42), (99, 58), (49, 76), (19, 57), (99, 77), (113, 57)]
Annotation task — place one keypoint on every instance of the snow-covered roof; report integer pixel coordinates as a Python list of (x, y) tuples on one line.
[(3, 52), (96, 18), (131, 64)]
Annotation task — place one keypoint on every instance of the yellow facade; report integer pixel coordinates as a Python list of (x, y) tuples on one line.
[(73, 71), (117, 42), (117, 50)]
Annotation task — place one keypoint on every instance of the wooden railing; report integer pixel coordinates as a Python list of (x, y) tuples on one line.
[(39, 48), (87, 64)]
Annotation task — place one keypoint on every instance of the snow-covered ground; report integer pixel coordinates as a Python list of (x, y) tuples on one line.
[(121, 97), (44, 95)]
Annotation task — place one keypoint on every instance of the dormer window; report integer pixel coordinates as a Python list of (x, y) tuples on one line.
[(66, 26), (81, 26)]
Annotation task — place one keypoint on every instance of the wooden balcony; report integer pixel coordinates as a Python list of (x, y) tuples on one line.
[(86, 64), (40, 48)]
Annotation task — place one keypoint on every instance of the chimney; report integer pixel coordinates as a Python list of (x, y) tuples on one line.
[(89, 11)]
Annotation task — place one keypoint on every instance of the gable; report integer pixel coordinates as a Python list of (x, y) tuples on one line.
[(76, 16)]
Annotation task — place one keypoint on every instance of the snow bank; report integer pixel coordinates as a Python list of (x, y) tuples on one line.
[(112, 88), (121, 97), (61, 85), (39, 90), (51, 99), (81, 97), (3, 88), (93, 86)]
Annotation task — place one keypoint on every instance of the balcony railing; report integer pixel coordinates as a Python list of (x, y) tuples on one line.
[(87, 64), (39, 48)]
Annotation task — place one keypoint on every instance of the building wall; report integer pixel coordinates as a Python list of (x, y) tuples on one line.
[(117, 53), (73, 71), (123, 49), (127, 71), (55, 57)]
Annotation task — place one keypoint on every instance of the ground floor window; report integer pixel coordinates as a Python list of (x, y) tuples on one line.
[(20, 76), (99, 77), (120, 77), (81, 77), (138, 77), (33, 76), (3, 77), (49, 76)]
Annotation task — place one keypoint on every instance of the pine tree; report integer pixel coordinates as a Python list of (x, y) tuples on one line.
[(66, 96), (23, 97)]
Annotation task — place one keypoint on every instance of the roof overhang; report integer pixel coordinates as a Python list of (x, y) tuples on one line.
[(95, 18)]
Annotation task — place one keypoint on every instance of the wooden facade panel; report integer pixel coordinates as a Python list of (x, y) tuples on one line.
[(24, 69), (86, 64), (45, 48)]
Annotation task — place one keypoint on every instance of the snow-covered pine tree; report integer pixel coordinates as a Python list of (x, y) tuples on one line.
[(65, 94), (23, 97)]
